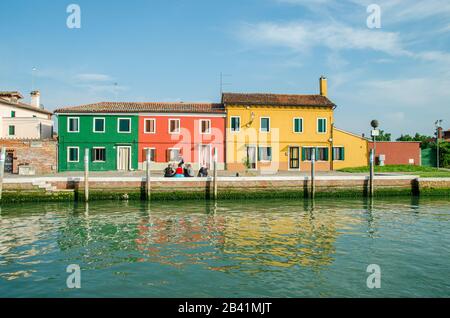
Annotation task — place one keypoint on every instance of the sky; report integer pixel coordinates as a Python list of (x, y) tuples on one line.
[(175, 50)]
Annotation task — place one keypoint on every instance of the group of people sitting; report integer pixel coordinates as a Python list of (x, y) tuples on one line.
[(184, 171)]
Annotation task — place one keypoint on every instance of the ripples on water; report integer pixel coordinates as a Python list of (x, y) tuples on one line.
[(230, 249)]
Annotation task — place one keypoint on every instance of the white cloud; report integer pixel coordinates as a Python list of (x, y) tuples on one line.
[(93, 77), (302, 36)]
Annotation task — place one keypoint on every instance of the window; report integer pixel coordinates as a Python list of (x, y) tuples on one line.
[(205, 126), (265, 124), (321, 125), (152, 154), (13, 114), (174, 126), (12, 130), (321, 153), (235, 124), (99, 125), (338, 153), (298, 125), (73, 124), (73, 154), (124, 125), (265, 154), (99, 154), (150, 126), (173, 154)]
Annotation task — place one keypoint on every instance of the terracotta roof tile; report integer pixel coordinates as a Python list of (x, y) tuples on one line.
[(25, 106), (131, 107), (276, 99)]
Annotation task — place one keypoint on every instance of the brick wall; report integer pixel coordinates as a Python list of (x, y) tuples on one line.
[(398, 152), (40, 154)]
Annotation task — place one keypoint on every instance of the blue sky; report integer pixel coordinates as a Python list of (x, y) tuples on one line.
[(174, 50)]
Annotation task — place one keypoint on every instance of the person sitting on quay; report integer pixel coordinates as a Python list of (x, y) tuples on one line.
[(180, 170), (169, 172), (188, 171), (203, 172)]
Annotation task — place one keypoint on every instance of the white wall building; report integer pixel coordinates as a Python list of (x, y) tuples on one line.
[(24, 121)]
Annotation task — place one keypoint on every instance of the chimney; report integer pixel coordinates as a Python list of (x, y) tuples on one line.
[(440, 135), (36, 99), (323, 86)]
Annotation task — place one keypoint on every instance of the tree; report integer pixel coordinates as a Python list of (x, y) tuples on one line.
[(444, 154), (383, 136), (425, 141)]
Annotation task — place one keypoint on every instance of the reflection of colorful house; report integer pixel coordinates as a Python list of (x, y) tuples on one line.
[(118, 134), (279, 132)]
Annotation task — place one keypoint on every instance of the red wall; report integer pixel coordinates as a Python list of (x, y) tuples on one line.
[(188, 140), (398, 152)]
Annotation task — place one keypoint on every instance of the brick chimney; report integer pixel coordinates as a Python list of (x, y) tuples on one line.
[(323, 86), (439, 133), (36, 99)]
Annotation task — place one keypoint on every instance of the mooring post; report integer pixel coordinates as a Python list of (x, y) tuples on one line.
[(215, 174), (313, 173), (372, 172), (2, 169), (86, 175), (147, 180)]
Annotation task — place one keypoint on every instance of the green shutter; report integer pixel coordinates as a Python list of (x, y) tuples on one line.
[(342, 153), (303, 153), (296, 125), (269, 153), (326, 153)]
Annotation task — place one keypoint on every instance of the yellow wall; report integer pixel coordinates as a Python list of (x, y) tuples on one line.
[(356, 149), (282, 130)]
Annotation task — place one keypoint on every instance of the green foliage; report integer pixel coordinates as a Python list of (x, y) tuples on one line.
[(444, 154), (421, 171), (425, 141), (383, 136)]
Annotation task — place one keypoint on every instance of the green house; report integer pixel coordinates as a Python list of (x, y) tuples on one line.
[(111, 141)]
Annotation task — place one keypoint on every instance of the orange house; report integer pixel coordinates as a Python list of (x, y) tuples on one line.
[(192, 131)]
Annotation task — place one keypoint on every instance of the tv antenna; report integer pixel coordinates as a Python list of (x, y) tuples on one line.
[(222, 83)]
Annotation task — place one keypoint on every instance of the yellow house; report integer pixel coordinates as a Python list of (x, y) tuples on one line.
[(278, 132)]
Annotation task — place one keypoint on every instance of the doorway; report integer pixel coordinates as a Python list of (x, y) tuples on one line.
[(205, 156), (294, 158), (9, 162), (251, 157), (123, 158)]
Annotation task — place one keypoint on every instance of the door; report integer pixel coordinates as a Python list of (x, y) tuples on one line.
[(294, 158), (123, 158), (205, 156), (9, 159), (251, 157)]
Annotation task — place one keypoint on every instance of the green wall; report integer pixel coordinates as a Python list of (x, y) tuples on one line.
[(86, 138)]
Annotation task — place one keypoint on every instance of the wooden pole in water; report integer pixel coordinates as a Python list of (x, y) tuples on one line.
[(215, 174), (313, 173), (86, 175), (147, 180), (2, 169), (372, 172)]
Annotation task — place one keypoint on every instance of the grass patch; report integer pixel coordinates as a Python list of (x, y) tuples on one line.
[(424, 172)]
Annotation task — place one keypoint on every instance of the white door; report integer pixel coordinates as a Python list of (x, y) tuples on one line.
[(205, 156), (123, 158), (252, 157)]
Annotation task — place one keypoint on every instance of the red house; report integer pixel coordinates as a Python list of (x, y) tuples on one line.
[(397, 152), (191, 131)]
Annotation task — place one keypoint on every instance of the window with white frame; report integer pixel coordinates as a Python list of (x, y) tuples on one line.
[(99, 125), (99, 154), (321, 125), (338, 153), (174, 126), (150, 126), (298, 125), (73, 154), (265, 124), (264, 153), (173, 154), (124, 125), (205, 126), (235, 123), (322, 154), (152, 154), (73, 124)]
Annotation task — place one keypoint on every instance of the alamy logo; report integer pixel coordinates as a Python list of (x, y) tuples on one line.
[(74, 279), (74, 19), (374, 279), (374, 19)]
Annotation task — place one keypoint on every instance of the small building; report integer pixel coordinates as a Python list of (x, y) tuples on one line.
[(397, 152), (26, 131), (117, 135)]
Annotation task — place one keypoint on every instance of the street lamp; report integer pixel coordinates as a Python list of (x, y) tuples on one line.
[(374, 133), (438, 125)]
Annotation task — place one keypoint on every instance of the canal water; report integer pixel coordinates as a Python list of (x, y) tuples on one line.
[(232, 249)]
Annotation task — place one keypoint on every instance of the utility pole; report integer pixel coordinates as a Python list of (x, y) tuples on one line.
[(438, 125)]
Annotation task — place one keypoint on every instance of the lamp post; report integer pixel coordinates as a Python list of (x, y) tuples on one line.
[(438, 125), (374, 133)]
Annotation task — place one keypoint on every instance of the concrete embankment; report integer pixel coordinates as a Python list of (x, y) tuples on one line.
[(133, 188)]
